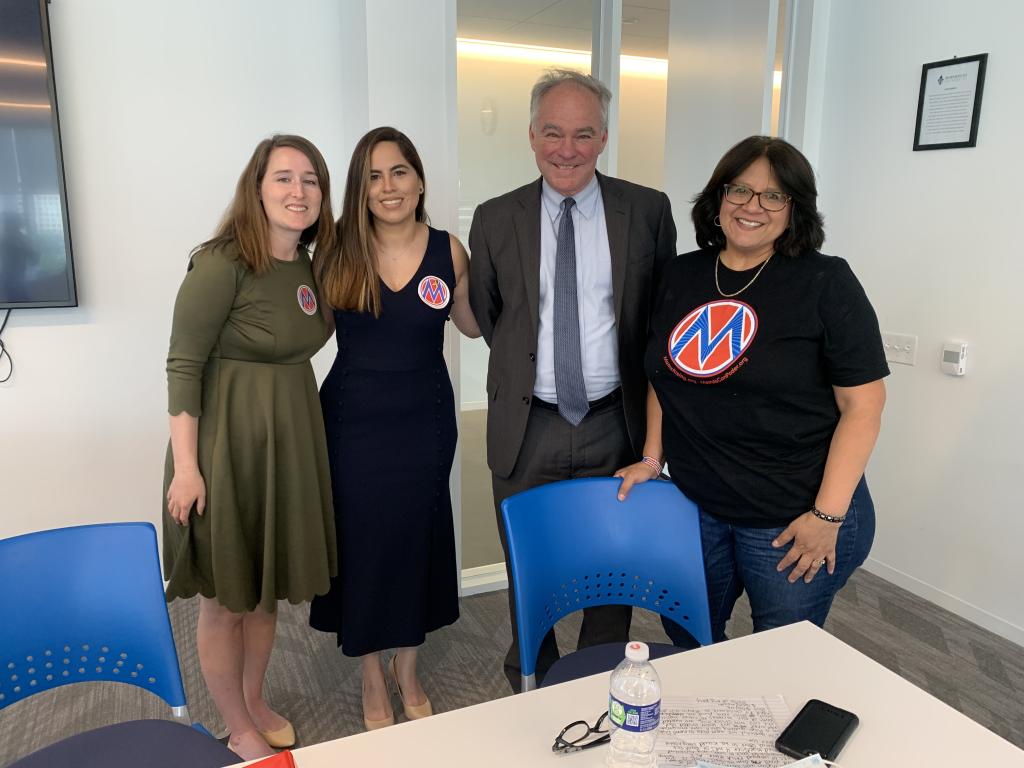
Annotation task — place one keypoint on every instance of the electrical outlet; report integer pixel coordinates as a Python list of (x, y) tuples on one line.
[(900, 348)]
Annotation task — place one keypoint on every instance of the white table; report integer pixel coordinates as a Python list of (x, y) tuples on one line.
[(900, 725)]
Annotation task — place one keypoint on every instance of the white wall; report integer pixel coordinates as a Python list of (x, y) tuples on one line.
[(932, 237), (719, 55), (410, 68), (161, 104)]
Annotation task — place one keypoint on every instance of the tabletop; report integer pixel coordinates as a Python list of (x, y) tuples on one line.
[(899, 723)]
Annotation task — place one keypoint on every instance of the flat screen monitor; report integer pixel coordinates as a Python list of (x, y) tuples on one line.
[(36, 268)]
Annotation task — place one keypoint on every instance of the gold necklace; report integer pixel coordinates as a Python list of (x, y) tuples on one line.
[(725, 295)]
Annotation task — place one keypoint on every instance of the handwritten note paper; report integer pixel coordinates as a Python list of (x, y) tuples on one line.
[(734, 732)]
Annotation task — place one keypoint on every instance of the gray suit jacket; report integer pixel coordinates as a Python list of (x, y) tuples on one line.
[(504, 291)]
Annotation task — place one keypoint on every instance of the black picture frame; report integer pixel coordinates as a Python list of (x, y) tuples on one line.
[(933, 75)]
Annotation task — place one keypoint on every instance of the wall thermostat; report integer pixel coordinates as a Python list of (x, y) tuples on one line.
[(954, 358)]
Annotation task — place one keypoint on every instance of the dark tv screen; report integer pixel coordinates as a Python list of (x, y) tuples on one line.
[(36, 268)]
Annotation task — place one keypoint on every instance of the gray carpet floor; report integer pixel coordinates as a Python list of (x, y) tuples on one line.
[(309, 681)]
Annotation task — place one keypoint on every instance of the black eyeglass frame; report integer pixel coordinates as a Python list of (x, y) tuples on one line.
[(563, 747), (788, 198)]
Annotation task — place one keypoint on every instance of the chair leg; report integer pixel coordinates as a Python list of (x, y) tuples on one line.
[(529, 683)]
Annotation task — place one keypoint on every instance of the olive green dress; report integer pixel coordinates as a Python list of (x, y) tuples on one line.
[(239, 360)]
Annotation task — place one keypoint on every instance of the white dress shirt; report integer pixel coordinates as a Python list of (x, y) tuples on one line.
[(599, 344)]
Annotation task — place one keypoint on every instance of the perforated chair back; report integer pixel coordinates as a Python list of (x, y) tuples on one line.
[(85, 604), (574, 545)]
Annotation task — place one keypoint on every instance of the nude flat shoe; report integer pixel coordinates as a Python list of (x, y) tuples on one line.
[(412, 711), (384, 722), (373, 725), (282, 738)]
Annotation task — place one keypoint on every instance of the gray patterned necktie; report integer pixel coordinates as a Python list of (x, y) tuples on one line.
[(569, 384)]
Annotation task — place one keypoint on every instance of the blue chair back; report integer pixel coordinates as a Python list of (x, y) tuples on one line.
[(85, 604), (574, 545)]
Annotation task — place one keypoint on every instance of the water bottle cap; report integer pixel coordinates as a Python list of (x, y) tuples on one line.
[(637, 651)]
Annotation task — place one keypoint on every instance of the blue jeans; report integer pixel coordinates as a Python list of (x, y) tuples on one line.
[(740, 558)]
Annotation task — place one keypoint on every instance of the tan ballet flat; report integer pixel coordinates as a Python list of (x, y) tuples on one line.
[(412, 711), (282, 738), (384, 722), (373, 725)]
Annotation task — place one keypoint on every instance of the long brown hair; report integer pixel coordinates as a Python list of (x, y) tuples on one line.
[(348, 275), (245, 222)]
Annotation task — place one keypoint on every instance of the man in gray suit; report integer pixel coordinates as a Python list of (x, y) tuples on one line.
[(562, 281)]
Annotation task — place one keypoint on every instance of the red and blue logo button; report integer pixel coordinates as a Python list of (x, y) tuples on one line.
[(434, 292), (307, 299)]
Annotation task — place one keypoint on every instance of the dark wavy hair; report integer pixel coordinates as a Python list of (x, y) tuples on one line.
[(796, 178)]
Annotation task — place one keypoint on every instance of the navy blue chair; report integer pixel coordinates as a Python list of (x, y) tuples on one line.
[(87, 604), (574, 545)]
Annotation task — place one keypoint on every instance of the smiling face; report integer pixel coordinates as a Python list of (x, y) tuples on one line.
[(394, 187), (567, 137), (291, 193), (750, 231)]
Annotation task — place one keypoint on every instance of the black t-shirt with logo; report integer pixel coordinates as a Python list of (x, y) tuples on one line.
[(745, 383)]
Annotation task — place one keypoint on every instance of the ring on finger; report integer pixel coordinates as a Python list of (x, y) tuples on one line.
[(822, 562)]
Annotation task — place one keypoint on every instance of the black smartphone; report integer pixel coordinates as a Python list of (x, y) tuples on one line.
[(818, 728)]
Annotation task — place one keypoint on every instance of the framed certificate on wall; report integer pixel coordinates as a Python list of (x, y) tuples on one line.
[(949, 103)]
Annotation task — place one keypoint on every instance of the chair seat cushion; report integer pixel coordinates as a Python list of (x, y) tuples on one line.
[(139, 743), (597, 658)]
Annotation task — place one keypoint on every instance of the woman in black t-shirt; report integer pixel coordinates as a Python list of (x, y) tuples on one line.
[(766, 366)]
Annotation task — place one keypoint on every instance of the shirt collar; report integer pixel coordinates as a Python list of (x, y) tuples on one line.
[(586, 199)]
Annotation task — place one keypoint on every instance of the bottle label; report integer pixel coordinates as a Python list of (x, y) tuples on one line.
[(634, 717)]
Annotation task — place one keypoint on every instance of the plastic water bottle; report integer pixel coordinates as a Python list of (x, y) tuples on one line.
[(634, 709)]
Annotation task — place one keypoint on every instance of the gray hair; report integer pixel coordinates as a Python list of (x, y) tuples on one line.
[(552, 78)]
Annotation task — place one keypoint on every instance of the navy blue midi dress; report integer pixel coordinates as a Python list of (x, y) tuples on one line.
[(389, 413)]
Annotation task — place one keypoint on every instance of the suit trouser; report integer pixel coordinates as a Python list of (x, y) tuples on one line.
[(555, 450)]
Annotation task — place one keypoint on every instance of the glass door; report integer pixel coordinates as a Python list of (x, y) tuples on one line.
[(502, 50)]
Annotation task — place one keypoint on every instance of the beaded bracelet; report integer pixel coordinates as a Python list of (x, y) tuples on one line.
[(653, 463), (823, 516)]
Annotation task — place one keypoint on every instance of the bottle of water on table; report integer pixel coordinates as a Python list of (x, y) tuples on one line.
[(634, 709)]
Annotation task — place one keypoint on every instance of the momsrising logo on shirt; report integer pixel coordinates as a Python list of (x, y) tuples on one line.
[(711, 338)]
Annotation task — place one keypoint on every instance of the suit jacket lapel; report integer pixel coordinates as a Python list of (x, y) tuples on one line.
[(616, 216), (527, 226)]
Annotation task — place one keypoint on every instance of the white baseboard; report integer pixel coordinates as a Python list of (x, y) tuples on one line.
[(961, 608), (485, 578)]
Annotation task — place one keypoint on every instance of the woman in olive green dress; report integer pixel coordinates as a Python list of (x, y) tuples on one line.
[(247, 485)]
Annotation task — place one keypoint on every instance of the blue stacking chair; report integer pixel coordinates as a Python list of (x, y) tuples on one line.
[(574, 545), (87, 604)]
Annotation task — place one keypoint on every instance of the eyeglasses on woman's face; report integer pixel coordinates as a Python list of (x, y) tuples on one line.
[(738, 194), (574, 736)]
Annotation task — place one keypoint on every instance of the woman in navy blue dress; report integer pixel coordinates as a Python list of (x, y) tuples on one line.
[(390, 418)]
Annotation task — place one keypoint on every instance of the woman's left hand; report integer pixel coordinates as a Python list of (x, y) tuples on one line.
[(632, 475), (814, 545)]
